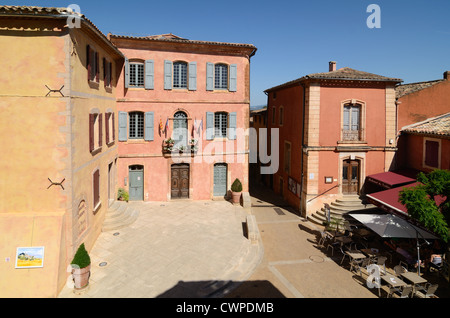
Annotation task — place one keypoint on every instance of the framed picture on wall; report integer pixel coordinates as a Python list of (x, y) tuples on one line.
[(30, 257)]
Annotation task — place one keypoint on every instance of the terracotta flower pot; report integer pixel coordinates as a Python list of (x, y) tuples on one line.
[(235, 197), (81, 276)]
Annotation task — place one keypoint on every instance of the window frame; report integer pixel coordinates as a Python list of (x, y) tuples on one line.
[(95, 131), (223, 82), (346, 134), (139, 125), (92, 65), (425, 162), (136, 81), (222, 116), (180, 72), (107, 73), (96, 197)]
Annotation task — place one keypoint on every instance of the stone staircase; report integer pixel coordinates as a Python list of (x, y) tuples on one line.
[(339, 208), (119, 215)]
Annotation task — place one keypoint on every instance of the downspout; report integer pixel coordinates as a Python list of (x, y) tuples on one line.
[(303, 147)]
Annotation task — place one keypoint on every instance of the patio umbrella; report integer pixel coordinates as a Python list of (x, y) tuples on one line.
[(389, 225)]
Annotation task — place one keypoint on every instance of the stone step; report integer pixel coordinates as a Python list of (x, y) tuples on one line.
[(119, 215)]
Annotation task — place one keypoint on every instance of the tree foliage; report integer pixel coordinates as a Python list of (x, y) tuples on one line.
[(429, 202)]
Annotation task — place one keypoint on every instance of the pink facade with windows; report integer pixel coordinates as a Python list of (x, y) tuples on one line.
[(183, 113)]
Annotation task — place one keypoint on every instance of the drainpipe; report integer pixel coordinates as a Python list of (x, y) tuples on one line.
[(303, 146)]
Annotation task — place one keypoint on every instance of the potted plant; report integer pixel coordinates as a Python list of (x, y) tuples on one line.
[(81, 268), (193, 145), (122, 195), (236, 189), (168, 145)]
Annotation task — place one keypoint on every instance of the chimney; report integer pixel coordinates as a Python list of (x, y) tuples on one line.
[(332, 66), (446, 73)]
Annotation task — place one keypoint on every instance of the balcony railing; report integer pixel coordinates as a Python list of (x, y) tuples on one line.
[(352, 135)]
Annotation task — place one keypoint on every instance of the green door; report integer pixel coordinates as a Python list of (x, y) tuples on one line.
[(220, 179), (136, 188)]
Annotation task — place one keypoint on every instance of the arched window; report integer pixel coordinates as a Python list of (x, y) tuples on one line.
[(180, 129), (180, 75)]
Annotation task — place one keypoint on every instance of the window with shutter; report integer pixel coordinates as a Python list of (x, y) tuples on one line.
[(432, 153), (136, 74), (96, 189), (179, 75), (221, 76), (136, 122)]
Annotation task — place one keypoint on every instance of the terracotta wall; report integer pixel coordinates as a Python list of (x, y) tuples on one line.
[(423, 104)]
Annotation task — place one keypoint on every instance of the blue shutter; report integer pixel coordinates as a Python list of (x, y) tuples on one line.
[(192, 76), (167, 74), (123, 119), (148, 121), (233, 77), (149, 74), (209, 76), (127, 73), (209, 126), (232, 126)]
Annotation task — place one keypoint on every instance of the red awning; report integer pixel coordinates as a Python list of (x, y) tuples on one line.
[(389, 179), (388, 200)]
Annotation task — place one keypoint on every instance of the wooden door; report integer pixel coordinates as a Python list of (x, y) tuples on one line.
[(179, 181), (350, 177)]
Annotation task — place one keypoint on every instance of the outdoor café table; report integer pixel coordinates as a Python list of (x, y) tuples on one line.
[(393, 280), (413, 278), (343, 239), (370, 252), (354, 255)]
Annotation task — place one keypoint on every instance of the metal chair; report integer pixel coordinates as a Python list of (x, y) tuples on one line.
[(380, 261), (324, 237), (400, 268), (427, 291), (335, 245), (360, 265), (402, 292)]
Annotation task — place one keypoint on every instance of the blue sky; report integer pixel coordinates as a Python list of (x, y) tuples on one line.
[(293, 37)]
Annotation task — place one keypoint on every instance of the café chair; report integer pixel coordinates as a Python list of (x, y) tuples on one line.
[(427, 291)]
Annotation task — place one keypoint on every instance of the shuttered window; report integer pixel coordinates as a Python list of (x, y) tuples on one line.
[(432, 153), (92, 64), (180, 75), (220, 125), (221, 76), (95, 131), (96, 188), (136, 129), (107, 70), (136, 75)]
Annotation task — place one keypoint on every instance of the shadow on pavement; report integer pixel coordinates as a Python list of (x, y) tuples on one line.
[(223, 289)]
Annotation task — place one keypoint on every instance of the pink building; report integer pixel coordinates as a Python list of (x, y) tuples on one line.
[(194, 93), (335, 128)]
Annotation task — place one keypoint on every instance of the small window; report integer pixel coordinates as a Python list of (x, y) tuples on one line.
[(136, 120), (220, 124), (92, 64), (281, 118), (287, 157), (96, 189), (221, 76), (274, 110), (136, 74), (109, 128), (95, 131), (180, 75), (107, 72), (432, 153)]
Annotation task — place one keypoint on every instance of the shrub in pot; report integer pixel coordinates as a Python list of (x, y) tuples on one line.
[(236, 189), (81, 268)]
